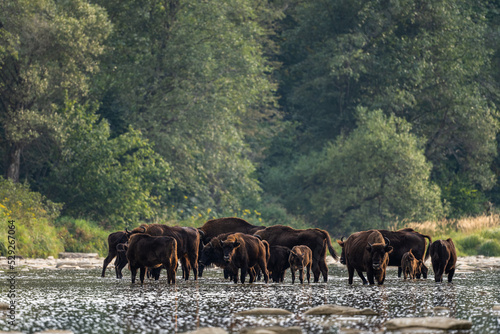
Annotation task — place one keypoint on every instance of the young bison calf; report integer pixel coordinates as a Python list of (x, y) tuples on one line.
[(300, 258), (150, 251), (410, 265), (444, 258)]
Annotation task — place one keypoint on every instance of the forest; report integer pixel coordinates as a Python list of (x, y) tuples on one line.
[(343, 115)]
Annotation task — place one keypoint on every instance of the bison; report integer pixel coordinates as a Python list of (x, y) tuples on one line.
[(212, 254), (443, 258), (215, 227), (114, 239), (278, 262), (245, 251), (410, 265), (316, 239), (402, 241), (300, 258), (145, 251), (188, 242), (367, 251)]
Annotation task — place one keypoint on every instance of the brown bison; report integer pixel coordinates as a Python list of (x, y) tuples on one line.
[(215, 227), (443, 258), (188, 243), (317, 240), (300, 258), (114, 239), (402, 241), (212, 254), (367, 252), (278, 262), (145, 251), (245, 251), (410, 265)]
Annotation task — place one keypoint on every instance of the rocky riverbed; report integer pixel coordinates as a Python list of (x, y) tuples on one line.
[(93, 261)]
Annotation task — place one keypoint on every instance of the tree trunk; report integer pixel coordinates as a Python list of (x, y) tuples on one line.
[(14, 162)]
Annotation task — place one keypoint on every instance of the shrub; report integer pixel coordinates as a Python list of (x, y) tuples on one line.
[(489, 248), (33, 217), (469, 244), (82, 236)]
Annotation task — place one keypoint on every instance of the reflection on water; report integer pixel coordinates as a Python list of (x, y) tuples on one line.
[(84, 302)]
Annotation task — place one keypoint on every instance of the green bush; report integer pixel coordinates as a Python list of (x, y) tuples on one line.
[(82, 236), (489, 248), (469, 245), (32, 215)]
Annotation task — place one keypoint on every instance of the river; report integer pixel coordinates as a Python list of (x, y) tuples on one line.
[(83, 302)]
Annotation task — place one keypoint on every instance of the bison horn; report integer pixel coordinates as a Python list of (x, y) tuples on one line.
[(388, 241), (143, 228), (202, 234), (342, 238)]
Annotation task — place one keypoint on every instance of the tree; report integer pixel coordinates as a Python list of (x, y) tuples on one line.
[(426, 62), (47, 51), (111, 180), (375, 175), (196, 82)]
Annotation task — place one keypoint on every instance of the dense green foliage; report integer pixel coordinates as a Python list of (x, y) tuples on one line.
[(339, 114)]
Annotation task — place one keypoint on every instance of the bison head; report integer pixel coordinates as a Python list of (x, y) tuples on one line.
[(228, 248), (342, 254), (296, 260), (379, 254)]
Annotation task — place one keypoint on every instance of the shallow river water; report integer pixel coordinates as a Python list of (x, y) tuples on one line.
[(83, 302)]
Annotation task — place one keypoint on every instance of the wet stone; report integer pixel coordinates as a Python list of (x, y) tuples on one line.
[(55, 331), (68, 255), (442, 323), (264, 311), (338, 310), (272, 330), (208, 330)]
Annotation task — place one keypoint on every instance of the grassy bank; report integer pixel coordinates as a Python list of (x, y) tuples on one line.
[(472, 236)]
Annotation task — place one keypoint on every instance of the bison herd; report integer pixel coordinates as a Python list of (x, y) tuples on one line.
[(242, 249)]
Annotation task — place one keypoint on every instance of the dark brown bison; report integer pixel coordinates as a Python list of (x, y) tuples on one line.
[(278, 262), (367, 251), (443, 258), (245, 251), (114, 239), (402, 241), (410, 265), (215, 227), (300, 258), (212, 254), (317, 240), (145, 251), (188, 243)]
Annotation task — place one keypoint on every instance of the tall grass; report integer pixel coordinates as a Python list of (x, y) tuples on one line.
[(471, 235)]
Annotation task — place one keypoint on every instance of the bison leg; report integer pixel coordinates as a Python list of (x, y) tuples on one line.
[(107, 260), (360, 274), (350, 271), (370, 275), (243, 274), (309, 273), (133, 271), (316, 271), (301, 275), (119, 267), (324, 269), (450, 275), (193, 260), (142, 274), (263, 269), (438, 272), (399, 271)]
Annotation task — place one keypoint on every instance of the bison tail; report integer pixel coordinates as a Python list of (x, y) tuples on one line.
[(330, 247), (428, 253)]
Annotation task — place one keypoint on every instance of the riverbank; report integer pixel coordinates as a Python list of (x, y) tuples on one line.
[(93, 261)]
